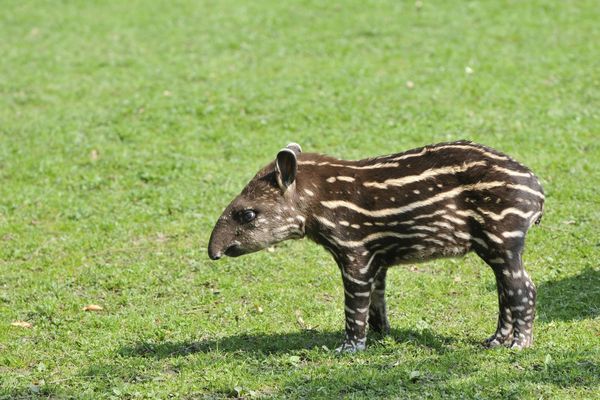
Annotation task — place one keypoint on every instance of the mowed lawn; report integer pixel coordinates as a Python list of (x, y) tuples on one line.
[(127, 126)]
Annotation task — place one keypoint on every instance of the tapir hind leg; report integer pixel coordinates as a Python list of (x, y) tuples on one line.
[(516, 298), (378, 321)]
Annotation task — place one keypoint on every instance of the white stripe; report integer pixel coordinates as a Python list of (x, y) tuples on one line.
[(478, 149), (372, 166), (348, 294), (504, 213), (447, 237), (417, 204), (362, 294), (405, 156), (466, 236), (442, 224), (359, 322), (286, 227), (423, 227), (331, 179), (480, 242), (497, 261), (345, 178), (393, 164), (376, 253), (513, 234), (430, 173), (309, 192), (454, 219), (344, 223), (362, 310), (511, 172), (534, 218), (349, 310), (438, 242), (526, 189), (438, 212), (375, 236), (472, 214), (366, 267), (493, 237), (451, 146), (354, 280), (325, 221), (462, 235)]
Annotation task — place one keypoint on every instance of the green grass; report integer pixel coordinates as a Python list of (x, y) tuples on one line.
[(126, 127)]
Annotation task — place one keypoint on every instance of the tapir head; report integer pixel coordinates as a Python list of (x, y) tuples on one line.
[(264, 213)]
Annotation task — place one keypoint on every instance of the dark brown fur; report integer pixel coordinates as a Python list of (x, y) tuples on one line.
[(435, 201)]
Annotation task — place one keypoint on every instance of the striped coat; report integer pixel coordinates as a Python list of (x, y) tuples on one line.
[(436, 201)]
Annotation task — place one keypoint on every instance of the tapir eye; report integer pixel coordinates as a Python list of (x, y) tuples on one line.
[(248, 215)]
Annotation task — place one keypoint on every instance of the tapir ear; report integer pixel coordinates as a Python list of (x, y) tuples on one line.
[(295, 147), (286, 165)]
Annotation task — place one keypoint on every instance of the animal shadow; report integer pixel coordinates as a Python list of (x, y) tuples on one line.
[(275, 343), (573, 298)]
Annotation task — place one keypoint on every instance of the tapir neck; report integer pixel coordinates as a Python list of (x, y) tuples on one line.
[(317, 178)]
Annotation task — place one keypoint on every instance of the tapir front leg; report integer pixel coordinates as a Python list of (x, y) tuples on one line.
[(358, 286)]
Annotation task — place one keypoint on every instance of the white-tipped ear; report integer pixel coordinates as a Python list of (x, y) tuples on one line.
[(286, 166), (295, 147)]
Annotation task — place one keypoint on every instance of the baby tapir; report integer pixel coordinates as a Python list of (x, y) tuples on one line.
[(441, 200)]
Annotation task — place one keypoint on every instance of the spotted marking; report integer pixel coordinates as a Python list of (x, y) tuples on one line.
[(513, 234)]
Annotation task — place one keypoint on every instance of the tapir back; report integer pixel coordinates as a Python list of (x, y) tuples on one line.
[(438, 200)]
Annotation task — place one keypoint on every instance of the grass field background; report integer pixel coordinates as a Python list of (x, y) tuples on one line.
[(126, 128)]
